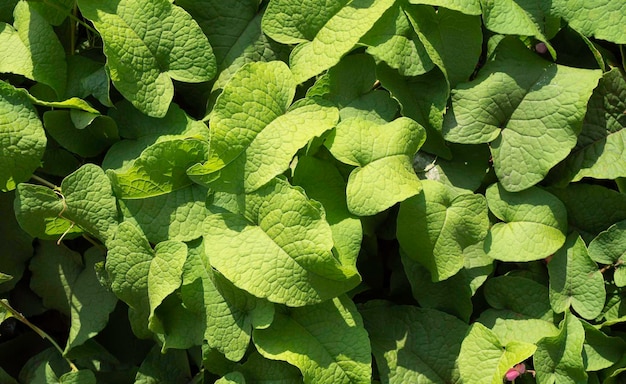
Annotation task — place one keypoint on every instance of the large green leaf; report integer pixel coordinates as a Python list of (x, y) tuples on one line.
[(382, 154), (519, 102), (520, 295), (559, 358), (609, 247), (599, 151), (575, 280), (436, 226), (32, 49), (533, 224), (484, 359), (22, 138), (90, 140), (148, 44), (165, 274), (326, 341), (413, 345), (599, 350), (171, 367), (510, 326), (279, 248), (602, 19)]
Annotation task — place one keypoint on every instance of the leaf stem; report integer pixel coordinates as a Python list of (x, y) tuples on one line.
[(45, 182), (37, 330)]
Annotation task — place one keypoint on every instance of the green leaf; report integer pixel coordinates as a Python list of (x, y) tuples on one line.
[(510, 326), (524, 18), (264, 371), (90, 303), (89, 141), (32, 49), (609, 207), (83, 376), (609, 247), (600, 147), (599, 350), (575, 280), (469, 7), (520, 295), (17, 244), (339, 34), (177, 215), (436, 226), (393, 41), (148, 44), (228, 313), (160, 169), (559, 358), (413, 345), (322, 181), (452, 39), (279, 248), (232, 378), (326, 341), (533, 224), (171, 367), (350, 85), (382, 154), (519, 107), (165, 273), (483, 358), (605, 20), (54, 11), (22, 138)]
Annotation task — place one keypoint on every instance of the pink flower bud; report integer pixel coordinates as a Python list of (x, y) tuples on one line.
[(541, 48), (512, 374)]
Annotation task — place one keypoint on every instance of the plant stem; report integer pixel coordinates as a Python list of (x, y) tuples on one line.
[(44, 182), (37, 330)]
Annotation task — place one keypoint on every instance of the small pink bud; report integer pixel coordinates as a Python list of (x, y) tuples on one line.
[(512, 374), (541, 48)]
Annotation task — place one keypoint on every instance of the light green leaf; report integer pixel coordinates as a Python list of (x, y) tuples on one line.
[(22, 138), (413, 345), (521, 17), (177, 215), (519, 108), (575, 280), (469, 7), (55, 11), (326, 341), (382, 154), (165, 273), (228, 314), (170, 367), (32, 49), (340, 33), (279, 248), (599, 350), (510, 326), (520, 295), (436, 226), (160, 169), (73, 103), (350, 85), (232, 378), (603, 19), (392, 40), (599, 150), (90, 303), (84, 376), (533, 224), (609, 247), (427, 108), (452, 39), (559, 358), (322, 181), (89, 141), (148, 44), (483, 358)]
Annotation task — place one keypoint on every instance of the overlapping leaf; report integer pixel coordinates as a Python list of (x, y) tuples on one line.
[(279, 248), (148, 44), (533, 224), (603, 19), (519, 102), (609, 247), (382, 154)]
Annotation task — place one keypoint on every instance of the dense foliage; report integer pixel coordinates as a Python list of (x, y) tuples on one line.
[(288, 191)]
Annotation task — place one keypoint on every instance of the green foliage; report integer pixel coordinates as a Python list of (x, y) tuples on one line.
[(281, 191)]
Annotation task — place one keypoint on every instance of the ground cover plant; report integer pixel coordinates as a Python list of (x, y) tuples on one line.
[(353, 191)]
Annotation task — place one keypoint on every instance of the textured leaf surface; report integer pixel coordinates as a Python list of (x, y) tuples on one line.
[(519, 102), (510, 326), (559, 358), (599, 350), (32, 49), (22, 138), (326, 341), (165, 272), (337, 37), (609, 247), (171, 367), (469, 7), (412, 344), (575, 280), (382, 154), (148, 44), (279, 249), (483, 359), (435, 227), (600, 149), (520, 295), (533, 224), (88, 141), (603, 19)]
